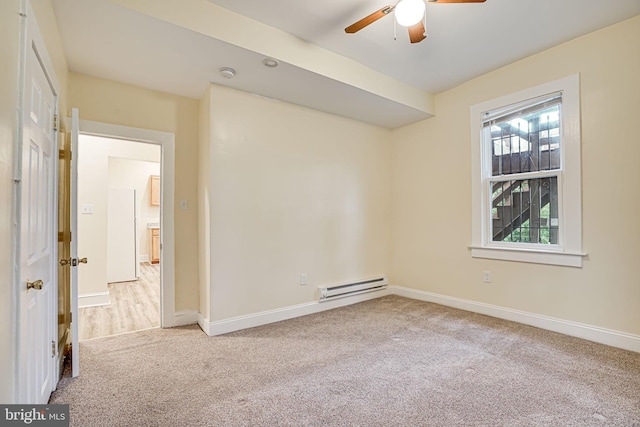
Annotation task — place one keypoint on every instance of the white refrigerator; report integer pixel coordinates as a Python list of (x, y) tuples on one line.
[(122, 251)]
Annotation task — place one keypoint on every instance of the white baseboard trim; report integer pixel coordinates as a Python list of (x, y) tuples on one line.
[(597, 334), (592, 333), (185, 317), (94, 300), (203, 322), (224, 326)]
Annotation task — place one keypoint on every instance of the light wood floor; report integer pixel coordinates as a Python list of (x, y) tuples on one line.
[(134, 306)]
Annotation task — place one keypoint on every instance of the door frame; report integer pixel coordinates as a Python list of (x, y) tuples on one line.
[(166, 141)]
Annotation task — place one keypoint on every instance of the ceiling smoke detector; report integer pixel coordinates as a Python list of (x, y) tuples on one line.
[(270, 62), (227, 72)]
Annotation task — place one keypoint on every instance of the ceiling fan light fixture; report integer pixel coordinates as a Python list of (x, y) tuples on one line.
[(409, 12)]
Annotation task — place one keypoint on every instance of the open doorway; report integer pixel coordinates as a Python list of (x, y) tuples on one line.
[(165, 236), (119, 208)]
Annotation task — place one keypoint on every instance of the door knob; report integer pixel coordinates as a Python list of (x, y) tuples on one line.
[(83, 260), (75, 261), (35, 285), (64, 262)]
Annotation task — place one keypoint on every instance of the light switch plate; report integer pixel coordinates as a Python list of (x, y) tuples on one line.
[(87, 209)]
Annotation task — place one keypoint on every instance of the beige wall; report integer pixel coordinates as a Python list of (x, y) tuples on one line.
[(116, 103), (432, 182), (94, 155), (293, 191)]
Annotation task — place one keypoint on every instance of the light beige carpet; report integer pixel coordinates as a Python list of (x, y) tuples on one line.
[(386, 362)]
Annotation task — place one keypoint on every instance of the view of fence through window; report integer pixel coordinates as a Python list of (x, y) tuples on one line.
[(525, 165)]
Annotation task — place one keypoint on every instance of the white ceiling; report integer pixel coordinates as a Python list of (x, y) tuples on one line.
[(108, 39)]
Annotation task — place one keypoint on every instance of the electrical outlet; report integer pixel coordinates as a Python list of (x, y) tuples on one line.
[(486, 276), (303, 279)]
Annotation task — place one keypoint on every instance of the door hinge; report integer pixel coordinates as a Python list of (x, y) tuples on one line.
[(56, 122), (53, 348), (62, 155)]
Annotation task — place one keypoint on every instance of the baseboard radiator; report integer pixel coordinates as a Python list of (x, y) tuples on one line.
[(348, 289)]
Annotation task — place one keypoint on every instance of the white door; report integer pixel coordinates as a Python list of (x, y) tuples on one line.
[(38, 289), (73, 209), (121, 235)]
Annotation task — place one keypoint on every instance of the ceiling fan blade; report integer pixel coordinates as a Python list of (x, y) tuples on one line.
[(355, 27), (417, 33), (456, 1)]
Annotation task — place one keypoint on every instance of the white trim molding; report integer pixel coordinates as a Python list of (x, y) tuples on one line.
[(224, 326), (568, 250), (185, 317), (95, 299), (596, 334), (166, 140), (580, 330), (203, 322), (529, 255)]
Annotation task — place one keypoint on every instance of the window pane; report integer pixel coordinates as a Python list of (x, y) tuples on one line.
[(525, 211), (526, 143)]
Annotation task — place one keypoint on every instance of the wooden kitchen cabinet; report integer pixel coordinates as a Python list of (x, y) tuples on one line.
[(155, 246), (154, 182)]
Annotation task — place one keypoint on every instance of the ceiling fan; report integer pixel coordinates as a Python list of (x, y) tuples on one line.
[(408, 13)]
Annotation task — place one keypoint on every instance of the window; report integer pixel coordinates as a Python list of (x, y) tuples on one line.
[(526, 176)]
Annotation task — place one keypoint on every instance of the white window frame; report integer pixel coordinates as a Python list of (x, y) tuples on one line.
[(568, 251)]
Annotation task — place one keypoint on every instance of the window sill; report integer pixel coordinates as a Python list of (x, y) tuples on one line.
[(536, 256)]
